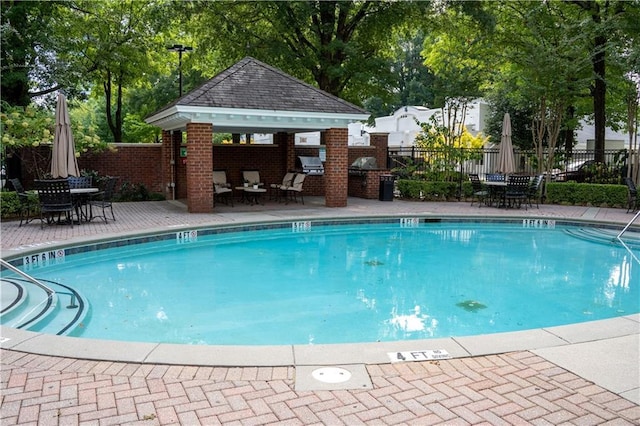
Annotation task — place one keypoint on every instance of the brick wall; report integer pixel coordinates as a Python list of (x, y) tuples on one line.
[(133, 163), (149, 164)]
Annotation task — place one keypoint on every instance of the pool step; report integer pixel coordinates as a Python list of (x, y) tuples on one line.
[(28, 306), (606, 236)]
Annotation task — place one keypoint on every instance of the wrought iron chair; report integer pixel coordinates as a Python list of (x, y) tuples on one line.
[(633, 202), (27, 209), (55, 199), (103, 200), (480, 194), (81, 200), (535, 191), (517, 191)]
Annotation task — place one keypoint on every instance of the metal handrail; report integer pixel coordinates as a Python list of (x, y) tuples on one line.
[(628, 225), (50, 292)]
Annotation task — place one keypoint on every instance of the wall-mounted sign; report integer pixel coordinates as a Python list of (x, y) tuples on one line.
[(183, 151)]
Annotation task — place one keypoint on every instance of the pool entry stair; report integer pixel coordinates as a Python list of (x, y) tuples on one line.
[(48, 307), (606, 236)]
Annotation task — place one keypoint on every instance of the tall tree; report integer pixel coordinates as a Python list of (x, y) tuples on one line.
[(339, 45), (604, 15), (25, 37), (112, 43)]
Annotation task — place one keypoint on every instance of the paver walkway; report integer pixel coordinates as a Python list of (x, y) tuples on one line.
[(512, 388)]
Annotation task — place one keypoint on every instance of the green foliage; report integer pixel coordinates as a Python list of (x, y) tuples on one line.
[(10, 204), (136, 192), (589, 194), (569, 193), (428, 190)]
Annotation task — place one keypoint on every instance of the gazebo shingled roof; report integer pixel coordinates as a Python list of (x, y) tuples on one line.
[(253, 97)]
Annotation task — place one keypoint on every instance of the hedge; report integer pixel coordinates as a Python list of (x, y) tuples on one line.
[(565, 193)]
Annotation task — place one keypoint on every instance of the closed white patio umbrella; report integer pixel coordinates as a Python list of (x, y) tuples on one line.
[(63, 156), (506, 161)]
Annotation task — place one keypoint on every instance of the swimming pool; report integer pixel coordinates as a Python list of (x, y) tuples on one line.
[(321, 282)]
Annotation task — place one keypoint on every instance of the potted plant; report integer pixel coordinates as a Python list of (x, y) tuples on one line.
[(255, 185), (246, 183)]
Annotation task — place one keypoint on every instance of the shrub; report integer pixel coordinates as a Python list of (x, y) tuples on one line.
[(568, 193), (10, 204)]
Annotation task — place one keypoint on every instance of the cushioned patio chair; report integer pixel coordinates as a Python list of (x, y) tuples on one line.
[(296, 188), (27, 210), (103, 200), (517, 191), (633, 203), (277, 188), (222, 188), (480, 194), (252, 177), (55, 199)]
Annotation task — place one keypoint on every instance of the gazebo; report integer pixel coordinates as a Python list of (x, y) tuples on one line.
[(252, 97)]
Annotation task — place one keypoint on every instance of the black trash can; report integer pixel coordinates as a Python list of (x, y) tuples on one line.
[(386, 187)]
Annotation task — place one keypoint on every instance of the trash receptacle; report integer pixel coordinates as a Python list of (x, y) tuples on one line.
[(386, 187)]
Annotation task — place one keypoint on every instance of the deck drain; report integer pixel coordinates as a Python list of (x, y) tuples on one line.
[(331, 375)]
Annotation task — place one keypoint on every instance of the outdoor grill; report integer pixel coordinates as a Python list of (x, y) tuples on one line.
[(311, 165), (362, 165)]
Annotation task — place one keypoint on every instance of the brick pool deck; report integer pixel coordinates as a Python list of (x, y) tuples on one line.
[(594, 381)]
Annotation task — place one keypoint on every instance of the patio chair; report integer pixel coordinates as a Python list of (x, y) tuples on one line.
[(27, 211), (277, 188), (480, 194), (633, 202), (535, 191), (81, 200), (296, 188), (103, 200), (79, 181), (496, 193), (252, 177), (517, 191), (55, 199), (222, 188)]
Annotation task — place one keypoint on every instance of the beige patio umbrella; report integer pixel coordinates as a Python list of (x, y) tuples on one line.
[(506, 161), (63, 155)]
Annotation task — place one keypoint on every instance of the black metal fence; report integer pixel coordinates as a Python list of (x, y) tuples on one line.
[(449, 164)]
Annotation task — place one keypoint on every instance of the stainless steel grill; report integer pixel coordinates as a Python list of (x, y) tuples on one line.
[(311, 165), (362, 164)]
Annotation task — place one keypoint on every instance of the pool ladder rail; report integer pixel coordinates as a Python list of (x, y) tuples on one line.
[(619, 236), (38, 310)]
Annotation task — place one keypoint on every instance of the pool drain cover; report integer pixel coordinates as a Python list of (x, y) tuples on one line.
[(331, 375)]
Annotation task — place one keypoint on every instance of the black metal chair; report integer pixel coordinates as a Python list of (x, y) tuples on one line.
[(480, 194), (517, 191), (81, 200), (103, 200), (535, 191), (55, 199), (27, 209), (633, 203)]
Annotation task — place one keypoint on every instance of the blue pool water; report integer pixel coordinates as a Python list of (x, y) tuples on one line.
[(349, 283)]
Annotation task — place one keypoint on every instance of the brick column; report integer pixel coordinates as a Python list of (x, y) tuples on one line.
[(381, 142), (336, 175), (199, 167)]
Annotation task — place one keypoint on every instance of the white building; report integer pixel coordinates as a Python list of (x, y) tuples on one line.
[(403, 126)]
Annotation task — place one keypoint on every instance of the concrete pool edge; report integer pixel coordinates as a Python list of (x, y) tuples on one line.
[(326, 354)]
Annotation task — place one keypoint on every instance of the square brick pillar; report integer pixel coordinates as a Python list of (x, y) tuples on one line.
[(199, 167), (336, 168)]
